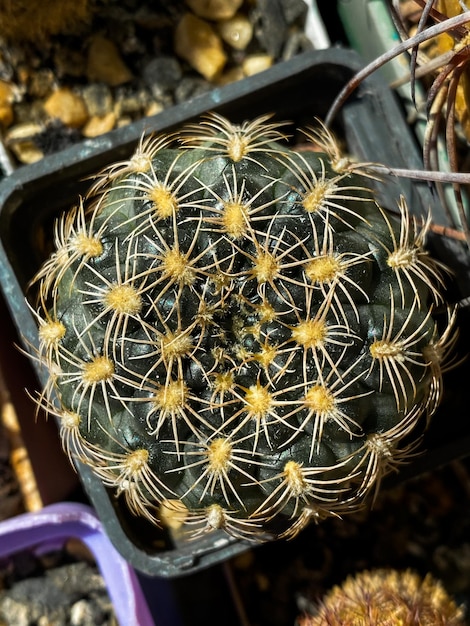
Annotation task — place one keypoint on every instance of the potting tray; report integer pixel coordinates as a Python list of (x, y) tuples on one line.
[(298, 90)]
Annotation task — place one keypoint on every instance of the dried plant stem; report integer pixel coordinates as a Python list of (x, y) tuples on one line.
[(455, 178), (400, 48)]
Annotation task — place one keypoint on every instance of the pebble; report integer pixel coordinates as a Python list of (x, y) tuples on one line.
[(6, 102), (294, 10), (154, 108), (237, 31), (27, 112), (197, 43), (191, 87), (123, 120), (41, 83), (214, 9), (130, 64), (162, 74), (67, 595), (20, 140), (81, 613), (99, 124), (105, 64), (131, 101), (254, 63), (271, 26), (231, 76), (98, 98), (26, 152), (67, 106)]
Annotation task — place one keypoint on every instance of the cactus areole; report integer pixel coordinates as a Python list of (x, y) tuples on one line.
[(236, 334)]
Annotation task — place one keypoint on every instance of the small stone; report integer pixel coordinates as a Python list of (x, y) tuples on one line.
[(271, 27), (255, 63), (20, 140), (27, 152), (41, 83), (154, 108), (26, 112), (98, 99), (23, 75), (124, 121), (131, 101), (162, 74), (73, 578), (14, 612), (99, 124), (237, 31), (214, 9), (6, 104), (231, 76), (295, 10), (81, 613), (105, 64), (197, 43), (67, 106), (191, 87)]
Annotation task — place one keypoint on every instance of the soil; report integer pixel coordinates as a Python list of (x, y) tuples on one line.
[(60, 89), (61, 587)]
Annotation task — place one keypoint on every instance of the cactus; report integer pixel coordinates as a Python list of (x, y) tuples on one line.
[(236, 332), (386, 597)]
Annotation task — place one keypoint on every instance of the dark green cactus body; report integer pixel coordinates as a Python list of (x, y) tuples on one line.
[(239, 330)]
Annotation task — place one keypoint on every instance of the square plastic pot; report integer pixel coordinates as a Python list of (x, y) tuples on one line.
[(52, 526), (299, 90)]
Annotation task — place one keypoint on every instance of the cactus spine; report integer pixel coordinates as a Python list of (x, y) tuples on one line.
[(237, 330)]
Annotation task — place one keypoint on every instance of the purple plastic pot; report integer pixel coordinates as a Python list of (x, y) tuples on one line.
[(55, 524)]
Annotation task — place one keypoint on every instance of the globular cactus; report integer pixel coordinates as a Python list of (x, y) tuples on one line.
[(237, 332), (386, 597)]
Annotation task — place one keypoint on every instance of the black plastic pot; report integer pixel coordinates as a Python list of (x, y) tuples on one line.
[(299, 90)]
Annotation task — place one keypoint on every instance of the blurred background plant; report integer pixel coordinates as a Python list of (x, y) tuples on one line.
[(29, 19), (386, 598), (434, 41), (443, 65)]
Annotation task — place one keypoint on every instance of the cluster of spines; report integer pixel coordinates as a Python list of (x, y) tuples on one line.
[(230, 335), (386, 597)]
